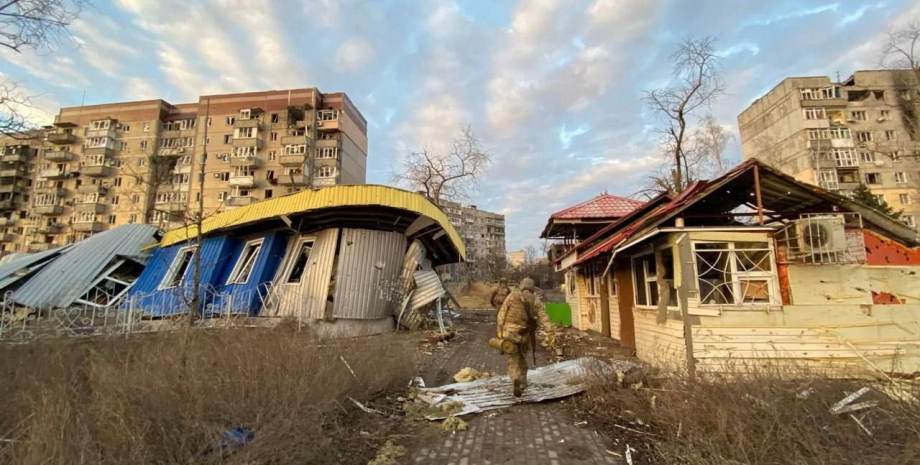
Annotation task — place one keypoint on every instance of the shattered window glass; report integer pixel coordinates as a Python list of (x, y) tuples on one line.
[(300, 262)]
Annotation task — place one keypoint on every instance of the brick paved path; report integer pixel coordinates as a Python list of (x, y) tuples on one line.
[(531, 434)]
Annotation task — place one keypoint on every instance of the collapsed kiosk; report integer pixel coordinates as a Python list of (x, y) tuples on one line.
[(349, 259)]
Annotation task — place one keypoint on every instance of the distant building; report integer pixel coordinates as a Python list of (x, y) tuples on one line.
[(837, 135), (569, 226), (483, 233), (517, 258)]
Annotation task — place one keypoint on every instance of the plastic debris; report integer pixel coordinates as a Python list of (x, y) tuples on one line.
[(230, 441), (849, 399)]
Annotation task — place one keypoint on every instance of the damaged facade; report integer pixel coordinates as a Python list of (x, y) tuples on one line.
[(348, 259), (750, 269)]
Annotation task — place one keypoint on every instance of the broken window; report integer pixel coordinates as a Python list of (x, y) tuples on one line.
[(645, 271), (734, 273), (246, 263), (178, 268), (857, 95), (112, 284), (815, 113), (591, 279), (299, 264), (873, 178)]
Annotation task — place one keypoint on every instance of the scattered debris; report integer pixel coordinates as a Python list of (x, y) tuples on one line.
[(629, 450), (838, 407), (230, 441), (348, 366), (805, 394), (470, 374), (388, 454), (453, 424), (544, 383), (365, 408), (861, 425)]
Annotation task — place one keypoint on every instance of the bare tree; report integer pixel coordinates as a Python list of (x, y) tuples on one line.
[(901, 52), (445, 176), (36, 25), (708, 144), (697, 83)]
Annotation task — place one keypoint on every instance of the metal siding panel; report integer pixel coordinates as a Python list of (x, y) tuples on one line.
[(315, 199), (247, 296), (68, 276), (318, 273), (428, 288), (364, 290)]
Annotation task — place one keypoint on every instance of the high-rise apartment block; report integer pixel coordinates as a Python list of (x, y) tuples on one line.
[(483, 233), (838, 135), (101, 166)]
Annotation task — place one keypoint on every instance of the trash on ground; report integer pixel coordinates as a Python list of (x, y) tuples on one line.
[(471, 374), (388, 454), (365, 408), (230, 441), (838, 407), (548, 382), (452, 424)]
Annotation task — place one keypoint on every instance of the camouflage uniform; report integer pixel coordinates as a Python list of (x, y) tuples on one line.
[(499, 294), (518, 319)]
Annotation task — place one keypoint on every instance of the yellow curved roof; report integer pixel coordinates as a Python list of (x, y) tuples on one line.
[(316, 199)]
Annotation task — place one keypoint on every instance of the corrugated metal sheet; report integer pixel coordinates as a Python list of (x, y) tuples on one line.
[(415, 255), (554, 381), (428, 288), (247, 297), (315, 199), (370, 263), (318, 273), (285, 298), (18, 268), (65, 279), (217, 252)]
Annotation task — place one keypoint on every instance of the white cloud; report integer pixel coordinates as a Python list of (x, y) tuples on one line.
[(141, 89), (353, 53)]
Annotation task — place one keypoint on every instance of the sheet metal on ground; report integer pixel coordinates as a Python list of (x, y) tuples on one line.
[(548, 382), (69, 276)]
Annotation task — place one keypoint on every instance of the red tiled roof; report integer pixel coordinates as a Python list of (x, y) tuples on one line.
[(602, 206)]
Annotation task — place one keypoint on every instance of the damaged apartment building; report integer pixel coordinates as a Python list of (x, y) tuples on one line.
[(484, 235), (751, 269), (837, 135), (101, 166)]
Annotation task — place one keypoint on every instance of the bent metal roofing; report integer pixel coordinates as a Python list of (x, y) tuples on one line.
[(321, 199), (602, 206)]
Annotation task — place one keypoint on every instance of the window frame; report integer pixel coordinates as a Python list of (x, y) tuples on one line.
[(234, 277), (286, 276), (173, 271), (771, 277)]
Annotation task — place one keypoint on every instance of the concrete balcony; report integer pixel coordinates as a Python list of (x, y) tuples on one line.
[(324, 182), (57, 191), (327, 120), (110, 133), (97, 170), (16, 172), (61, 138), (825, 102), (295, 140), (171, 206), (53, 173), (244, 161), (330, 143), (12, 188), (39, 247), (14, 158), (247, 123), (48, 210), (248, 142), (240, 201), (293, 160), (183, 169), (7, 222), (843, 143), (9, 204), (54, 228), (59, 156), (108, 152), (242, 181), (7, 237), (292, 179), (95, 207), (91, 189), (93, 226)]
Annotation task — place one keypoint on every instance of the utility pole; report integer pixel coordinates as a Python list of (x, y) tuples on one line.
[(199, 217)]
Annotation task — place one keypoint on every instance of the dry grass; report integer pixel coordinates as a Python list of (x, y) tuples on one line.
[(167, 398), (757, 419)]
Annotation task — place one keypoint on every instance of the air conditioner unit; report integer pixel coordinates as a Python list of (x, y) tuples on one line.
[(851, 120), (821, 235), (879, 162), (319, 123), (881, 119)]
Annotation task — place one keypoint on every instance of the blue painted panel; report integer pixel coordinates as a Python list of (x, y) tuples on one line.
[(217, 252), (247, 297)]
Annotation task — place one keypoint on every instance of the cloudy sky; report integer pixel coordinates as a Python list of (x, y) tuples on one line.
[(553, 87)]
